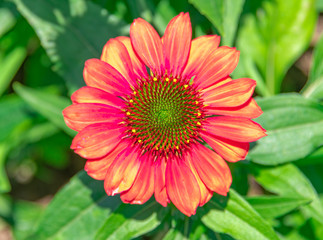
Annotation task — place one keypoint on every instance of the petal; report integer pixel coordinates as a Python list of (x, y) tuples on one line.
[(143, 186), (234, 128), (182, 187), (95, 95), (139, 67), (201, 48), (116, 54), (97, 168), (160, 185), (102, 75), (97, 140), (250, 109), (219, 64), (206, 194), (177, 44), (122, 172), (78, 116), (148, 46), (231, 151), (231, 94), (212, 169)]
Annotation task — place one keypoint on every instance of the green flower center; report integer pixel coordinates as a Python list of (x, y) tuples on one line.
[(164, 114)]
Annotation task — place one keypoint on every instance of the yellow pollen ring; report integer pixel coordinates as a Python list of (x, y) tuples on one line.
[(174, 80), (139, 140), (199, 114), (188, 141), (155, 79), (167, 79), (133, 130), (196, 102), (157, 148), (128, 113), (131, 100), (177, 147), (185, 86), (134, 92), (198, 123)]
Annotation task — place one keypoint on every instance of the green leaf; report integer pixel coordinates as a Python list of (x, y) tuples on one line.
[(224, 15), (25, 216), (15, 118), (9, 65), (287, 180), (4, 182), (7, 17), (314, 86), (13, 52), (48, 105), (314, 158), (77, 211), (130, 221), (71, 33), (234, 216), (14, 112), (319, 5), (192, 228), (275, 206), (294, 126), (272, 38)]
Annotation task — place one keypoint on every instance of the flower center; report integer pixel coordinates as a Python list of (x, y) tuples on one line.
[(164, 114)]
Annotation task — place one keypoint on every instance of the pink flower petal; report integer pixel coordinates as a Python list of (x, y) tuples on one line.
[(97, 140), (143, 186), (139, 67), (201, 48), (177, 44), (206, 194), (122, 172), (212, 169), (95, 95), (148, 46), (116, 54), (160, 185), (234, 128), (102, 75), (231, 94), (97, 168), (249, 109), (182, 186), (219, 64), (79, 116), (231, 151)]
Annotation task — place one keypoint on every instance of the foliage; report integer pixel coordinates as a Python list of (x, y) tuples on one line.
[(40, 70)]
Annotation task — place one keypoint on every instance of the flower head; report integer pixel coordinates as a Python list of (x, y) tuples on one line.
[(145, 133)]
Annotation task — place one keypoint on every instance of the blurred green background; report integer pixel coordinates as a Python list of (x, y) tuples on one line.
[(43, 46)]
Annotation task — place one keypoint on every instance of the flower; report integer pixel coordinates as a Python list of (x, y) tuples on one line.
[(145, 134)]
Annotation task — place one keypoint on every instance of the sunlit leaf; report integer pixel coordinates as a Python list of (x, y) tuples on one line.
[(273, 37), (25, 216), (314, 86), (71, 32), (48, 105), (224, 15), (4, 182), (234, 216), (287, 180), (275, 206), (294, 126), (8, 17), (129, 221), (77, 211)]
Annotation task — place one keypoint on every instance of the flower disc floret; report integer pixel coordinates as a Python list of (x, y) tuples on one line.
[(164, 114)]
